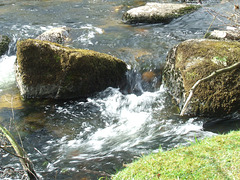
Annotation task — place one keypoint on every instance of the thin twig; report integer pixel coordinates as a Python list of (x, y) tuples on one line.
[(221, 17), (25, 162), (6, 150), (42, 155), (210, 26)]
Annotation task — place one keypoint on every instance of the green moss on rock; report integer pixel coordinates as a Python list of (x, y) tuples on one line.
[(49, 70), (196, 59), (4, 43)]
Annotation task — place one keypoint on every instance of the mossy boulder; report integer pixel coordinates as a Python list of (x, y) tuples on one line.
[(157, 12), (4, 43), (49, 70), (192, 60)]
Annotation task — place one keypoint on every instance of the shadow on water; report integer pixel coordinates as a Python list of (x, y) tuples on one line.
[(223, 125)]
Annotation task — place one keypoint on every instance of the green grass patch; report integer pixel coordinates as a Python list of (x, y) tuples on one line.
[(212, 158)]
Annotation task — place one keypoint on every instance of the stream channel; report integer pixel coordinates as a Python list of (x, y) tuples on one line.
[(89, 138)]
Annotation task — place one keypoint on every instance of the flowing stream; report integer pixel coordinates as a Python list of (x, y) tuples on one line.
[(94, 137)]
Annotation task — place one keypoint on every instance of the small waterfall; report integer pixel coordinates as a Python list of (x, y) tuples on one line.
[(7, 77)]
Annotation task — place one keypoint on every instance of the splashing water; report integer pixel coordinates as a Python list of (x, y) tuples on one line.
[(7, 77), (102, 132)]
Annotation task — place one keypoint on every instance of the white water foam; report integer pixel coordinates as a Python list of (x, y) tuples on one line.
[(130, 124), (7, 76), (89, 32), (126, 118)]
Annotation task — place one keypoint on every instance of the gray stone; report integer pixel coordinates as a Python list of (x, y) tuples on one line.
[(233, 35), (157, 12), (57, 35)]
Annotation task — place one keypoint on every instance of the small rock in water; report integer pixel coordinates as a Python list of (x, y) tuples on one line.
[(157, 12), (148, 76), (56, 35), (232, 34), (4, 42)]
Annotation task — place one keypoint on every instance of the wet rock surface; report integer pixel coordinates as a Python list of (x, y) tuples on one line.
[(4, 43)]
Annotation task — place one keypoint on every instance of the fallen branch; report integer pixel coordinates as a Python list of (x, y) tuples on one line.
[(213, 74), (25, 162)]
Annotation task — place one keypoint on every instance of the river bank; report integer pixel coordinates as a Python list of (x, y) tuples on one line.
[(211, 158)]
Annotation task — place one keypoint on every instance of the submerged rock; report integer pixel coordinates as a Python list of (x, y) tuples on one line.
[(56, 35), (49, 70), (195, 59), (157, 12), (11, 101), (4, 43)]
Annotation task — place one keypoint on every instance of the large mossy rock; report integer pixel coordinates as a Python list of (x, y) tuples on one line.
[(157, 12), (49, 70), (4, 43), (194, 59)]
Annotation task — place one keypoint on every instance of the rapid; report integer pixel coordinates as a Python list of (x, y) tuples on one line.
[(94, 137)]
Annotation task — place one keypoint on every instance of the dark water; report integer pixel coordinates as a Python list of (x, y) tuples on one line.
[(94, 137)]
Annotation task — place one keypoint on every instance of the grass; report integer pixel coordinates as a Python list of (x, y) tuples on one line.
[(212, 158)]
